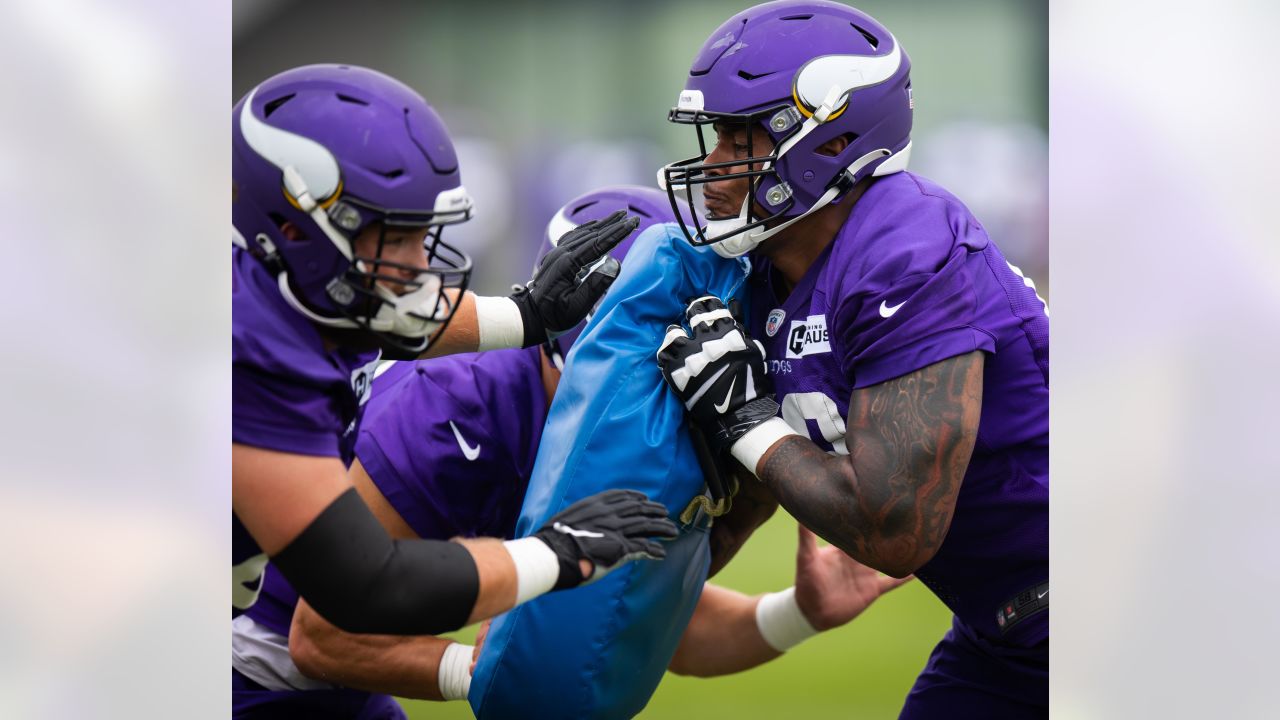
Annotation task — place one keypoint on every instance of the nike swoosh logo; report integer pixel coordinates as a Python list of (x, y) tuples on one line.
[(886, 311), (1041, 595), (560, 527), (470, 453), (722, 407)]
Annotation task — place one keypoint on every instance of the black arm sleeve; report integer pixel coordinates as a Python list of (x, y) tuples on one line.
[(355, 576)]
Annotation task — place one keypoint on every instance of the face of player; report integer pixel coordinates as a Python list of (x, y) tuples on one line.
[(402, 256), (724, 198)]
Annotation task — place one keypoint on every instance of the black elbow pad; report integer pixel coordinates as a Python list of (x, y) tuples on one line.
[(355, 576)]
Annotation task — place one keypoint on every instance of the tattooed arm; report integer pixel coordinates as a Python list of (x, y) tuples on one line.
[(888, 503)]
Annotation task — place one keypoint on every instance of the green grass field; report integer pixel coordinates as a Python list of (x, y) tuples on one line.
[(862, 670)]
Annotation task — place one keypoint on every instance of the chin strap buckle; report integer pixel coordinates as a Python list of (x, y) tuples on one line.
[(268, 253), (828, 105)]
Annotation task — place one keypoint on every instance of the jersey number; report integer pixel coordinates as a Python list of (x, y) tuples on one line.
[(799, 407)]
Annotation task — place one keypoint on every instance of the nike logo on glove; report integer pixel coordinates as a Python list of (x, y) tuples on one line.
[(886, 311), (722, 407), (561, 527), (1041, 595), (470, 453)]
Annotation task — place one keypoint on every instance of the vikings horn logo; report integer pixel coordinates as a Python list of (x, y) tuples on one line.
[(843, 73)]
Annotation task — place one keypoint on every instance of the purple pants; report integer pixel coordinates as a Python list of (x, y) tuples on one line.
[(251, 701), (971, 677)]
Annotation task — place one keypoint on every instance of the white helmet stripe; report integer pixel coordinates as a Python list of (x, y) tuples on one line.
[(559, 226), (316, 165)]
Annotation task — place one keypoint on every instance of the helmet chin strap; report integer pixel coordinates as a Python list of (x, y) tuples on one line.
[(812, 122), (400, 315), (392, 317), (297, 187), (296, 304), (750, 240)]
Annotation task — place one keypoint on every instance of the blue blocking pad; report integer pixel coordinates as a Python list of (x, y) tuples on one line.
[(600, 650)]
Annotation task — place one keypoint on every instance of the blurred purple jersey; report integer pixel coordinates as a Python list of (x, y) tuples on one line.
[(910, 280), (289, 392), (450, 442)]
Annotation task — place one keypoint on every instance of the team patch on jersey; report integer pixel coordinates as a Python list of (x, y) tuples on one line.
[(808, 337), (774, 322), (362, 379)]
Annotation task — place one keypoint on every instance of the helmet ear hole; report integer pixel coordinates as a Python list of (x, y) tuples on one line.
[(836, 145), (291, 231)]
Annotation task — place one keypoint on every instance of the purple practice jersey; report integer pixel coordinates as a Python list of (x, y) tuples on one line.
[(290, 392), (912, 279), (450, 442)]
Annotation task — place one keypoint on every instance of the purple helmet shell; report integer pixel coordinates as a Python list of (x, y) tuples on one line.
[(650, 205), (807, 72), (334, 149)]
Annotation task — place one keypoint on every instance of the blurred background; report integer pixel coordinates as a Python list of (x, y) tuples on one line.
[(548, 100), (552, 99), (115, 494)]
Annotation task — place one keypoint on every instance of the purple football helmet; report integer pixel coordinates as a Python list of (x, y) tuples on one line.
[(650, 205), (334, 149), (806, 71)]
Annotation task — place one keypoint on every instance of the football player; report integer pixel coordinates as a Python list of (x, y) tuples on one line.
[(905, 413), (342, 181), (447, 449)]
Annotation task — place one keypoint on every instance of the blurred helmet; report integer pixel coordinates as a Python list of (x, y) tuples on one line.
[(650, 205), (334, 149), (806, 71)]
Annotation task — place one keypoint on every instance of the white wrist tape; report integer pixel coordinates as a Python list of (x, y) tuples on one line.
[(780, 621), (454, 676), (537, 567), (751, 447), (498, 322)]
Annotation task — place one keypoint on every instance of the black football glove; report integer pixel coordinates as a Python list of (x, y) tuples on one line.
[(718, 373), (571, 278), (605, 529)]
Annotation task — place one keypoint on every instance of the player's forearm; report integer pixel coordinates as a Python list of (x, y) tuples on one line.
[(887, 503), (406, 666), (484, 322), (722, 637), (462, 335), (481, 323), (498, 579), (825, 494)]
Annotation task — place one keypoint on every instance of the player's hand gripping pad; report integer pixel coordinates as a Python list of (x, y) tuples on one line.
[(599, 651)]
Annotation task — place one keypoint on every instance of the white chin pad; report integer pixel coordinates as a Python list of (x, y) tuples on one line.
[(421, 301), (737, 245), (411, 314)]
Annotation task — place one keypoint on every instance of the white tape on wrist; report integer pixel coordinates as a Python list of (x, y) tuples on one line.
[(498, 322), (751, 447), (780, 621), (454, 676), (537, 567)]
